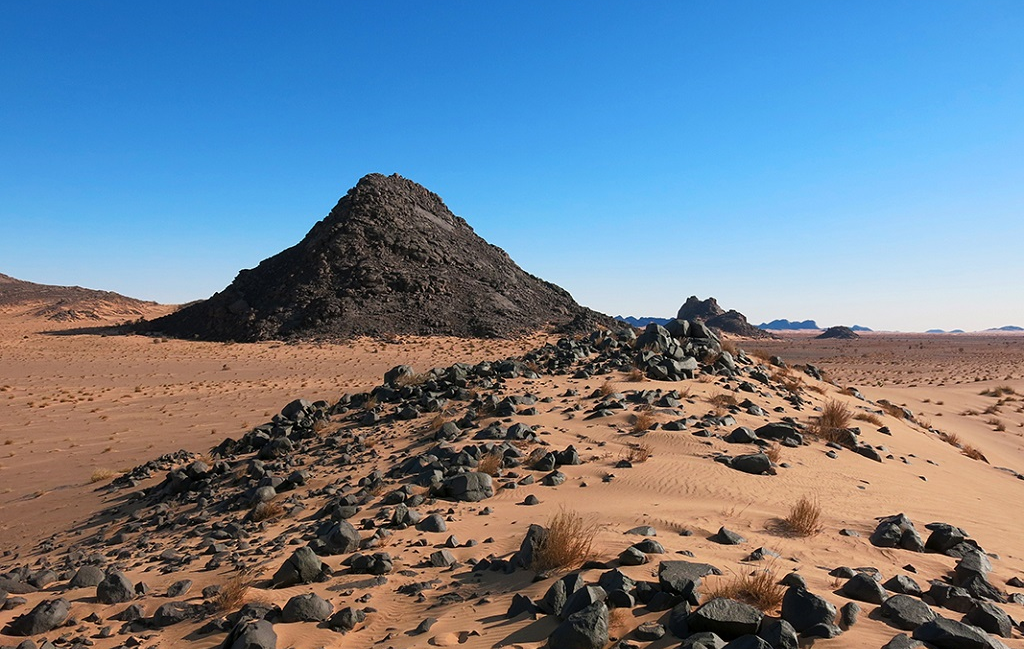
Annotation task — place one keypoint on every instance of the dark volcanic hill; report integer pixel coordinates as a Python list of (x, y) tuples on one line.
[(841, 333), (788, 325), (708, 312), (390, 258), (68, 303)]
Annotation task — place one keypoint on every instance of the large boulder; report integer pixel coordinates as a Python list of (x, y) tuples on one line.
[(470, 487), (115, 588), (726, 618), (308, 607), (803, 609), (585, 629), (47, 615), (906, 612), (682, 578), (303, 567), (950, 634), (864, 588), (338, 538), (754, 464), (251, 634)]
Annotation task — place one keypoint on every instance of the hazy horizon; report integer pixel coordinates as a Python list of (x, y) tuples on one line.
[(850, 164)]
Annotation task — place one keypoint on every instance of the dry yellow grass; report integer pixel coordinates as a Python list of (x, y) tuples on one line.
[(606, 389), (233, 594), (723, 400), (635, 375), (832, 424), (267, 511), (491, 463), (804, 517), (643, 421), (99, 475), (774, 452), (569, 543), (760, 589), (869, 417), (637, 453)]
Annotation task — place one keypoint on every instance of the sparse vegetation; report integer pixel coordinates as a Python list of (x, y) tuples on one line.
[(412, 379), (643, 421), (998, 391), (233, 594), (607, 388), (723, 400), (267, 511), (491, 463), (869, 417), (569, 544), (832, 424), (774, 452), (760, 589), (804, 517), (635, 375), (99, 475), (637, 453), (892, 410), (966, 449)]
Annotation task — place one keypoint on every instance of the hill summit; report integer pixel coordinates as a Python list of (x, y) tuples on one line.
[(67, 303), (390, 258)]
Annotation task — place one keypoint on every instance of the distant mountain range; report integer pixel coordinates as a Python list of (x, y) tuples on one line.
[(1007, 328), (797, 325), (68, 303), (640, 323)]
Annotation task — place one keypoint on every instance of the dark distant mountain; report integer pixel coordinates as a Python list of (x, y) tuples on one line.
[(784, 325), (640, 323), (860, 328), (390, 258), (935, 331), (956, 331), (841, 333), (1007, 328), (714, 316), (68, 303)]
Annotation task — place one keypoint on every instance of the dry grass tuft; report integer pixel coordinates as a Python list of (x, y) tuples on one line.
[(607, 388), (266, 511), (438, 420), (569, 544), (723, 400), (644, 420), (233, 594), (635, 375), (832, 424), (804, 517), (998, 391), (731, 347), (774, 452), (99, 475), (412, 379), (759, 589), (491, 463), (869, 417), (970, 451), (637, 453)]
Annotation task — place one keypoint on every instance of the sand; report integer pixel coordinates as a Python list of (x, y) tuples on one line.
[(74, 405)]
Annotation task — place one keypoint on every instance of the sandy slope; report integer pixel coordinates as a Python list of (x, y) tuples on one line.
[(152, 397)]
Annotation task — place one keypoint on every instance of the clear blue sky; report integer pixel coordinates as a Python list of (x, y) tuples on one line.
[(851, 162)]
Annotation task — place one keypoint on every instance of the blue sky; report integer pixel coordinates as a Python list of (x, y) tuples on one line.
[(851, 162)]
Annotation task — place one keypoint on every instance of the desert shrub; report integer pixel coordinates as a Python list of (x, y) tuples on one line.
[(774, 452), (637, 453), (233, 594), (723, 400), (491, 463), (643, 421), (439, 419), (869, 417), (998, 391), (606, 389), (833, 423), (569, 544), (760, 589), (731, 347), (635, 375), (804, 517), (99, 475), (266, 511)]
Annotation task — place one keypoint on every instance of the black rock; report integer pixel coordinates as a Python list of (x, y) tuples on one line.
[(308, 607), (346, 619), (905, 612), (990, 618), (803, 609), (727, 618), (864, 588), (950, 634), (585, 629), (251, 634), (115, 588), (47, 615)]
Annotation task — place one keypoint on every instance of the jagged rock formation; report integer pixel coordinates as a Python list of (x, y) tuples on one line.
[(68, 303), (714, 316), (390, 258), (642, 321), (842, 333), (788, 325)]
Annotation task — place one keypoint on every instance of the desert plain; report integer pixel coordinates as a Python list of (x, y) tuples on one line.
[(81, 404)]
